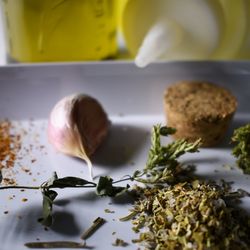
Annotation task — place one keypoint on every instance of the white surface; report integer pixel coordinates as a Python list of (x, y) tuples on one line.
[(133, 100)]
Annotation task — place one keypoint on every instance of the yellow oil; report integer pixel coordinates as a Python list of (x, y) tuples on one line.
[(60, 30)]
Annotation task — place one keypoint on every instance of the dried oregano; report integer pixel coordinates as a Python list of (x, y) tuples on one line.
[(190, 215)]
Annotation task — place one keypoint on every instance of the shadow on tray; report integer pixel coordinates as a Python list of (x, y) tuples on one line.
[(121, 145), (64, 222), (236, 123)]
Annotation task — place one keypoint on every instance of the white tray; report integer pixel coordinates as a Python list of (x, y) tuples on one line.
[(133, 99)]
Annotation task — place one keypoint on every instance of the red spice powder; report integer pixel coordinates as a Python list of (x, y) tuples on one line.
[(10, 144)]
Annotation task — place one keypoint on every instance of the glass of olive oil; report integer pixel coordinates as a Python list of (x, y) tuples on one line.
[(60, 30)]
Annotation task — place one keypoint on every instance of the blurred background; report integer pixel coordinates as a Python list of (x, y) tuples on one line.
[(2, 43), (141, 30)]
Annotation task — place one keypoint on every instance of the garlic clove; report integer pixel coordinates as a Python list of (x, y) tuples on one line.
[(77, 126)]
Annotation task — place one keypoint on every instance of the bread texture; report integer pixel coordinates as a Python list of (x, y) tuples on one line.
[(199, 110)]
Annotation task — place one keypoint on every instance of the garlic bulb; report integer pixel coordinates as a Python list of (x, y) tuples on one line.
[(77, 126)]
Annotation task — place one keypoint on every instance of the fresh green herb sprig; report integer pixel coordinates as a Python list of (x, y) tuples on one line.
[(104, 187), (241, 151), (162, 165)]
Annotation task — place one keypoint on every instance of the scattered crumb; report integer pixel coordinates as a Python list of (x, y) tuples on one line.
[(113, 233), (22, 190), (108, 211), (46, 229), (24, 199), (6, 212), (37, 239), (120, 243), (19, 217), (9, 181), (26, 170), (33, 160)]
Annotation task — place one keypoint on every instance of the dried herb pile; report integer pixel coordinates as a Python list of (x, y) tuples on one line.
[(190, 215), (181, 212)]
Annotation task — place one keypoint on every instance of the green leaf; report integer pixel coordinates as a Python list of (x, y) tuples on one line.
[(71, 182), (48, 198), (165, 131), (50, 195), (179, 147), (105, 187)]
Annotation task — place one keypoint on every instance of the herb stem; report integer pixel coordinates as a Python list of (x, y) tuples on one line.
[(95, 225), (20, 187), (57, 244), (38, 187), (125, 179), (129, 216), (51, 187)]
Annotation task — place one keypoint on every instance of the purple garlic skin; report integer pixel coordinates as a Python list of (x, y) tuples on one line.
[(77, 126)]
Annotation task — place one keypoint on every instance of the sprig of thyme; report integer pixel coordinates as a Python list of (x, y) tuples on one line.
[(162, 164), (104, 187), (241, 151)]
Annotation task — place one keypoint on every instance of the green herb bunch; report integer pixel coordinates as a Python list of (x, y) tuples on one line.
[(162, 165), (241, 151), (104, 187)]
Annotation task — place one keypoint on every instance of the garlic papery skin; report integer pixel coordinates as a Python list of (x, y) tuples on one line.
[(77, 126)]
